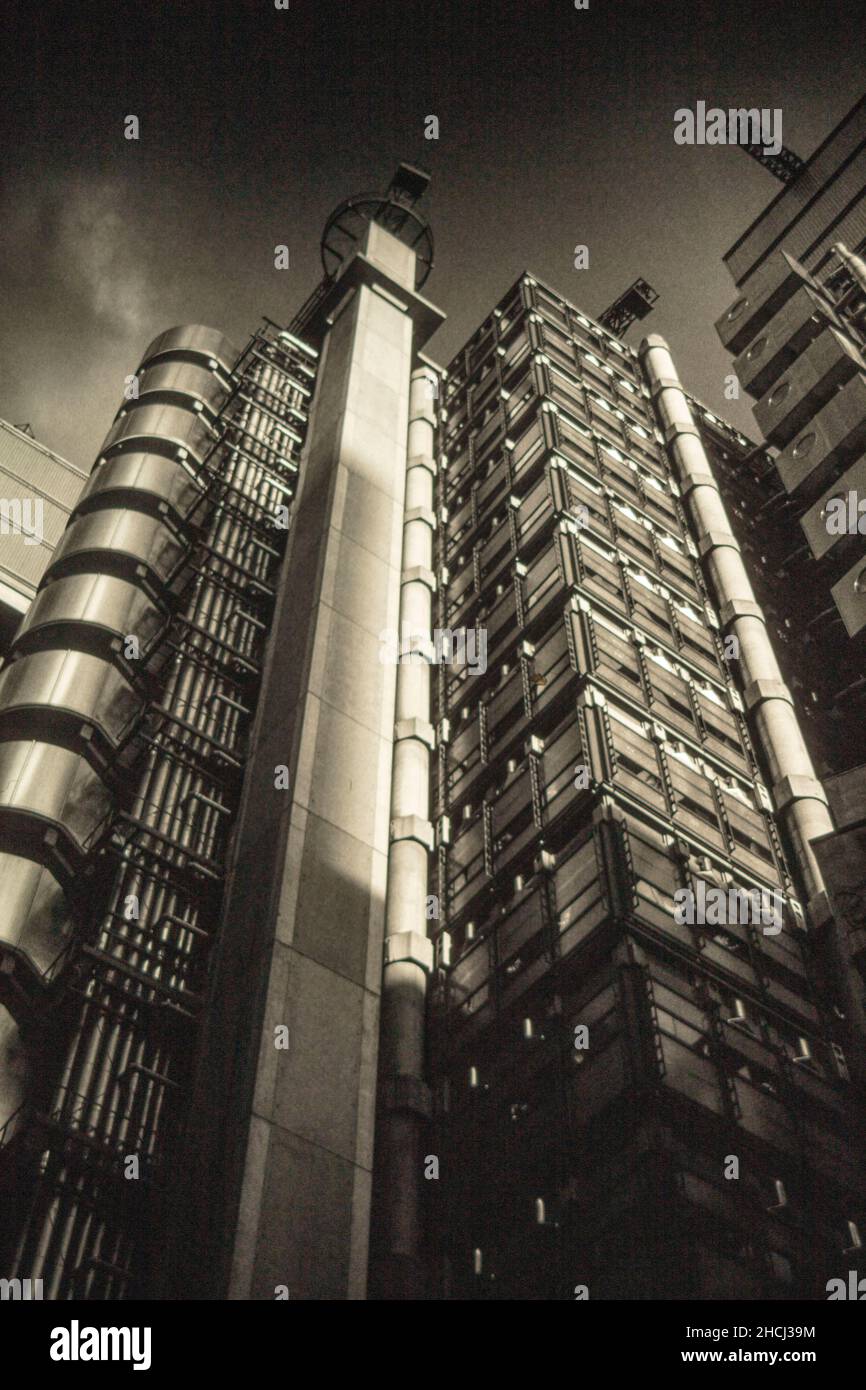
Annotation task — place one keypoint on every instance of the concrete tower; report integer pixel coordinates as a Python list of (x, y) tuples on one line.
[(326, 871)]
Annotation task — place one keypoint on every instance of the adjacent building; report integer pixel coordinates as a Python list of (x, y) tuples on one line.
[(38, 490), (797, 329), (796, 333)]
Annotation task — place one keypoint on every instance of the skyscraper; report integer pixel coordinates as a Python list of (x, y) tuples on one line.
[(594, 1058), (430, 890)]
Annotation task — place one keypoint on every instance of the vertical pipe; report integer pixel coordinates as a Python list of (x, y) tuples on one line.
[(66, 1231), (798, 795), (404, 1103)]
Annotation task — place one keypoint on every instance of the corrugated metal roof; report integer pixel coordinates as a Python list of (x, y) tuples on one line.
[(30, 474), (21, 561), (38, 468)]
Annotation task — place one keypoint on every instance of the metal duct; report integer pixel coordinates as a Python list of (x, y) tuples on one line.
[(155, 480), (194, 342), (212, 488), (139, 425), (45, 688), (64, 679), (40, 913), (797, 793), (88, 612), (128, 538), (42, 783), (404, 1105), (185, 380)]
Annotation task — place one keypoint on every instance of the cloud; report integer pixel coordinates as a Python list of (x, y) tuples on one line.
[(80, 287), (74, 239), (93, 244)]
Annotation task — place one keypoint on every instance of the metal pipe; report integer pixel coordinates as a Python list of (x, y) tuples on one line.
[(797, 793), (403, 1104), (855, 265), (183, 802)]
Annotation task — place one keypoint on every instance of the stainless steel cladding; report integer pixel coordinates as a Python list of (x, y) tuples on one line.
[(88, 611), (125, 710), (44, 687), (156, 481), (168, 424), (127, 538)]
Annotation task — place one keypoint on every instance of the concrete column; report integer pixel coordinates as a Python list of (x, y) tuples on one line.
[(798, 795), (304, 914), (403, 1095)]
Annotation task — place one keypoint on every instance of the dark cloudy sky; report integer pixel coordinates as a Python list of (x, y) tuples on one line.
[(556, 128)]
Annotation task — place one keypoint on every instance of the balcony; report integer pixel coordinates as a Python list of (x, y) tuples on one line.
[(768, 290), (815, 520), (834, 437), (781, 342), (827, 364)]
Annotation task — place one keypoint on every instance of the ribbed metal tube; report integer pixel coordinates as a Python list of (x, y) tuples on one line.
[(403, 1108), (797, 793), (123, 1070), (103, 547)]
